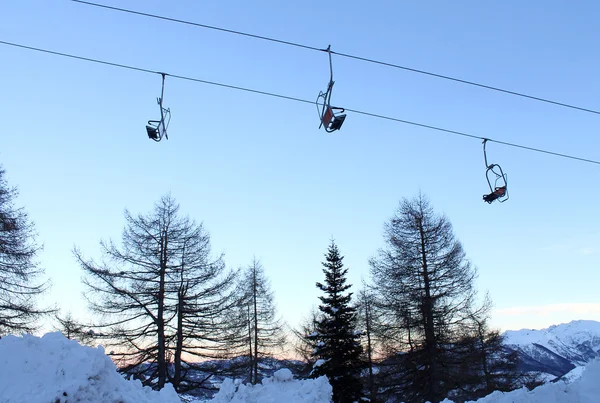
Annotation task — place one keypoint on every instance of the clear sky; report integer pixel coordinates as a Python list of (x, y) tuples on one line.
[(262, 177)]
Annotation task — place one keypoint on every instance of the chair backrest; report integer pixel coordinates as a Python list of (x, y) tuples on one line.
[(327, 116)]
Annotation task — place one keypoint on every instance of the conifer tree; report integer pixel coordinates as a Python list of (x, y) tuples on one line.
[(336, 341), (425, 292), (366, 319), (265, 329), (161, 299), (73, 329), (303, 344), (19, 270), (486, 363)]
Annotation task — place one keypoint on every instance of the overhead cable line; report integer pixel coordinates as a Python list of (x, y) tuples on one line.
[(271, 94), (364, 59)]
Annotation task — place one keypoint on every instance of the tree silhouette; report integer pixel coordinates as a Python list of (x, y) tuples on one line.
[(424, 289), (19, 270), (336, 340), (160, 298)]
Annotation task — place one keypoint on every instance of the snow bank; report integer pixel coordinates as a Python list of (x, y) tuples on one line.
[(54, 369), (583, 390), (277, 389)]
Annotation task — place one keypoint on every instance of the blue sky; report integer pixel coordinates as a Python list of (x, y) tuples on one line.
[(262, 177)]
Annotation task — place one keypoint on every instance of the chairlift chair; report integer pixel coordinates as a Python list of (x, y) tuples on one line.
[(331, 117), (499, 191), (157, 129)]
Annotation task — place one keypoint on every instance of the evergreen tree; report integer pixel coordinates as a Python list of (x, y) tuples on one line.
[(336, 341), (19, 270)]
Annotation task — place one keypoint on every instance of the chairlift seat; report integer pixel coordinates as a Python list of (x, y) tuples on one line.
[(152, 132), (498, 193), (337, 122)]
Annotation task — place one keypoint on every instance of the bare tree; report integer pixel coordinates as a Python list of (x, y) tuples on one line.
[(207, 300), (303, 345), (265, 329), (19, 270), (73, 329), (159, 296), (424, 287), (484, 363), (366, 318)]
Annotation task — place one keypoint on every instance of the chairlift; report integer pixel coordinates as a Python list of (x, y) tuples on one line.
[(156, 129), (331, 117), (494, 173)]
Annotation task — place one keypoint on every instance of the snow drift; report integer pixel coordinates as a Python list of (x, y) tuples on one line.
[(279, 388), (54, 369)]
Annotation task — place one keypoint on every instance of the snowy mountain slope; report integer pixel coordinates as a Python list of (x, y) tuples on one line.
[(557, 349)]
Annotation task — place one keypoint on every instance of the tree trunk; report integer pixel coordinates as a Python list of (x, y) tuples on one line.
[(250, 344), (429, 325), (254, 291), (371, 384), (162, 365), (179, 346)]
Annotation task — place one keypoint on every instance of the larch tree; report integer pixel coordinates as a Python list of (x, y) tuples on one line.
[(159, 297), (303, 345), (424, 287), (336, 340), (367, 319), (73, 329), (20, 273), (265, 329), (486, 364)]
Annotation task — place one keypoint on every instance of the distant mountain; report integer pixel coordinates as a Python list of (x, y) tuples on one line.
[(557, 349)]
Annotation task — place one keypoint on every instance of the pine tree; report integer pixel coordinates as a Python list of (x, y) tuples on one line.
[(336, 341)]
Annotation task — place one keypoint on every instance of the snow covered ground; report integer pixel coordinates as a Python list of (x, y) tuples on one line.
[(279, 388), (586, 389), (55, 369)]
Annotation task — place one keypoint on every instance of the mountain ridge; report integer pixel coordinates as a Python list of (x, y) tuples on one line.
[(558, 349)]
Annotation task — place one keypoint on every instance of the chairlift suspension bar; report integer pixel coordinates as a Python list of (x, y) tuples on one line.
[(330, 66), (160, 103), (484, 153)]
